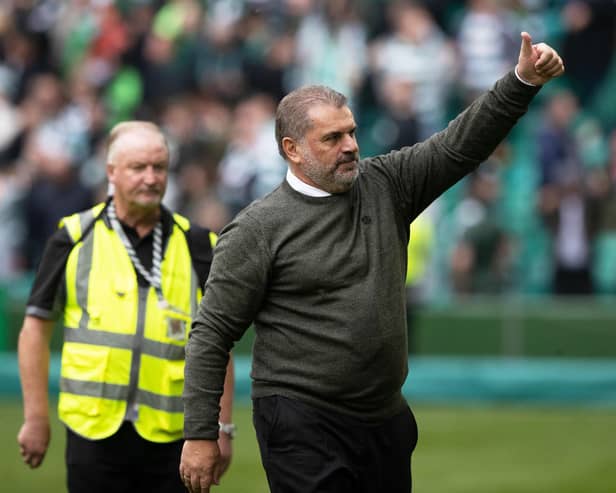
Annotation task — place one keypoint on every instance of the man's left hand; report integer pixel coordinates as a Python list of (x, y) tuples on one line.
[(538, 63)]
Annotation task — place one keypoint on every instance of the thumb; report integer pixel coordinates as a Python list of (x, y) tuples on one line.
[(216, 474), (526, 50)]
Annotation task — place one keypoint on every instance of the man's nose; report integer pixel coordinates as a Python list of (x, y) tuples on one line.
[(349, 143), (150, 174)]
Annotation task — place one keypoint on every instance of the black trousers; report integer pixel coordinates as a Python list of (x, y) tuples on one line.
[(306, 450), (122, 463)]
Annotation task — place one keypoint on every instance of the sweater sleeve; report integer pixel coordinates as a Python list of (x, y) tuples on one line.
[(232, 297), (421, 173)]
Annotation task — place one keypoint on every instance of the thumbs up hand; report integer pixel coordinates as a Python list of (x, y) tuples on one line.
[(539, 63)]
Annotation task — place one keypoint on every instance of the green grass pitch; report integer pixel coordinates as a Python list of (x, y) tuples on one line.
[(461, 449)]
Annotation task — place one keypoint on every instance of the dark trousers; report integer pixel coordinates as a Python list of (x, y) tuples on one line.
[(305, 449), (122, 463)]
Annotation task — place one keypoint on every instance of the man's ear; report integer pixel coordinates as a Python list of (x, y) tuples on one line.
[(109, 169), (289, 146)]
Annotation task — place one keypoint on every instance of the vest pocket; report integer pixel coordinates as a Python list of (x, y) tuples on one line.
[(85, 362), (176, 371), (161, 377)]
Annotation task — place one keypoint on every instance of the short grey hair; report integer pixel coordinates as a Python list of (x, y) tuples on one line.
[(292, 114), (126, 127)]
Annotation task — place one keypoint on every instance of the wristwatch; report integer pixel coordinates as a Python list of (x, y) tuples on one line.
[(227, 429)]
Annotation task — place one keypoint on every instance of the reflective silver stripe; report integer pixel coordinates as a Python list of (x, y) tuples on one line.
[(94, 389), (123, 341), (135, 364), (161, 350), (170, 404), (84, 265), (35, 311), (98, 338)]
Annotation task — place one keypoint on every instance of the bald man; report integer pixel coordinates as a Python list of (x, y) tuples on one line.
[(127, 276)]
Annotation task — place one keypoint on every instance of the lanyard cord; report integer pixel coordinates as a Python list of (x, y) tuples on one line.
[(153, 277)]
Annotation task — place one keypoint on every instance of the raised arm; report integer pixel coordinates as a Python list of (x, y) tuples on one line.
[(423, 172)]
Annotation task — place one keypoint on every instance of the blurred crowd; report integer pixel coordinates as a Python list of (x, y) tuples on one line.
[(540, 216)]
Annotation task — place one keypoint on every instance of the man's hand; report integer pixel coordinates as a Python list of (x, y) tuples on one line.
[(33, 439), (200, 466), (537, 64)]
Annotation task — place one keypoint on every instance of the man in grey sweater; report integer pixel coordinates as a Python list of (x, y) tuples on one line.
[(319, 266)]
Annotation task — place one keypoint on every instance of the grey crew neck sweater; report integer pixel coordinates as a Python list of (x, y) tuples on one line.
[(322, 278)]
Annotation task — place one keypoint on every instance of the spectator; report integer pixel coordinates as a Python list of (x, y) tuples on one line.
[(481, 259), (418, 52), (55, 147), (571, 215), (486, 44), (588, 44), (250, 166), (331, 48)]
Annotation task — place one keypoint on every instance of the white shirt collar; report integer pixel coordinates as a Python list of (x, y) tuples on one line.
[(302, 187)]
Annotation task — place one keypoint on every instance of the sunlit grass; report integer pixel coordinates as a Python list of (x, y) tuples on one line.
[(461, 449)]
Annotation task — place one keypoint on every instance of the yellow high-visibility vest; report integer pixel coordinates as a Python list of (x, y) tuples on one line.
[(121, 347)]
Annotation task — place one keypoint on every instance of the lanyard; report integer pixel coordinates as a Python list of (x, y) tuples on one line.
[(153, 277)]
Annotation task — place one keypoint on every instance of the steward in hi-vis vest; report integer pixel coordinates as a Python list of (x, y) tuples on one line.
[(125, 278), (123, 350)]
